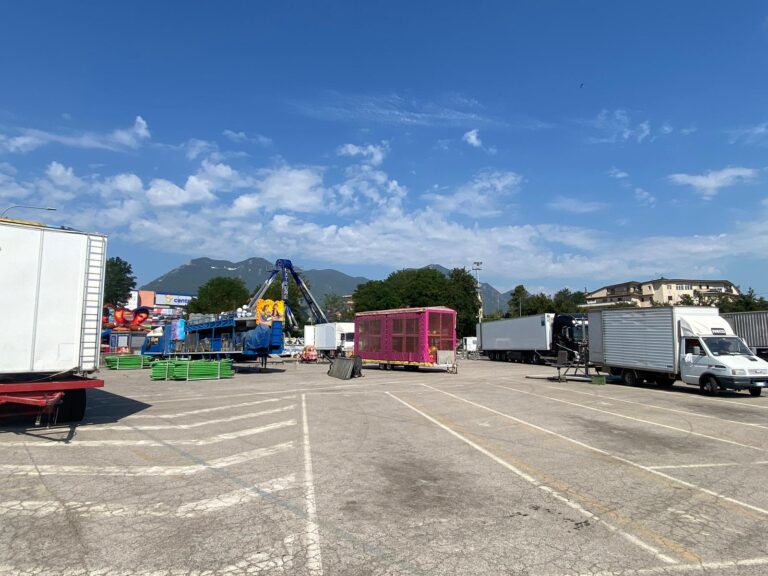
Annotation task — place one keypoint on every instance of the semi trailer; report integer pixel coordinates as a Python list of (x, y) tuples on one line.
[(53, 280), (753, 328), (532, 339), (665, 344), (335, 338)]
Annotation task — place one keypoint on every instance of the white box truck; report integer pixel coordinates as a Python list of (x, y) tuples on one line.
[(532, 339), (52, 281), (337, 338), (665, 344)]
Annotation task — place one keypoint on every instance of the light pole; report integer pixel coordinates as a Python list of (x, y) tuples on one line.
[(476, 267), (2, 215)]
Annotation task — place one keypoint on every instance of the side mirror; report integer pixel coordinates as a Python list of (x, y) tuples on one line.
[(697, 351)]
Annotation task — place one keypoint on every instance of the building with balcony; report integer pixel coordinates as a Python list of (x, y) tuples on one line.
[(667, 291)]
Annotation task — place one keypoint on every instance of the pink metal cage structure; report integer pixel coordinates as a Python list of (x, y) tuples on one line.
[(409, 337)]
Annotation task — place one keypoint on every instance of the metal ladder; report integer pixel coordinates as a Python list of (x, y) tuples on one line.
[(90, 327)]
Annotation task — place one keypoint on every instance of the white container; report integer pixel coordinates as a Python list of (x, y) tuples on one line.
[(527, 333), (309, 335), (51, 284), (335, 335)]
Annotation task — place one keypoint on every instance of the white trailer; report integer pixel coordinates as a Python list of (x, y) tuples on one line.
[(338, 337), (52, 280), (665, 344), (309, 335), (531, 338), (753, 328)]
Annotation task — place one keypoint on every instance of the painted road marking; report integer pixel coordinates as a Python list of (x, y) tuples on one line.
[(606, 453), (140, 427), (685, 431), (312, 536), (683, 568), (69, 470), (152, 443), (40, 508), (551, 491), (720, 465), (207, 410)]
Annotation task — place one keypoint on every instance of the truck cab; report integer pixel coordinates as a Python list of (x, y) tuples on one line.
[(721, 361)]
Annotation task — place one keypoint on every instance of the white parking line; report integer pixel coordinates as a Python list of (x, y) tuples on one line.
[(312, 536), (685, 431), (73, 470), (540, 485), (605, 453), (151, 443), (140, 427), (207, 410), (40, 508), (720, 465), (664, 408), (683, 568)]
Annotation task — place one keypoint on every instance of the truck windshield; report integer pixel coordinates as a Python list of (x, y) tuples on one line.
[(726, 346), (579, 331)]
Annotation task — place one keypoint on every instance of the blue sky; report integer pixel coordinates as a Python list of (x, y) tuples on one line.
[(563, 144)]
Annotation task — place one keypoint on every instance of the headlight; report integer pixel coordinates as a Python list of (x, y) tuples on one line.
[(738, 372)]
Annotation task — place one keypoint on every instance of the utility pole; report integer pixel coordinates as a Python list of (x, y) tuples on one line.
[(476, 267)]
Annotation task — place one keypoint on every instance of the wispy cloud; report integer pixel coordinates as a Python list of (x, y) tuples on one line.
[(28, 139), (481, 197), (645, 198), (373, 153), (395, 109), (242, 137), (575, 205), (618, 174), (473, 138), (709, 183), (757, 134), (616, 126)]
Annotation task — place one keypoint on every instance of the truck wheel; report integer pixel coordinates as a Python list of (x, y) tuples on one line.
[(72, 408), (709, 386), (755, 391), (630, 378)]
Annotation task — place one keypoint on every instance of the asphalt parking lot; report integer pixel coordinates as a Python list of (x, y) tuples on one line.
[(483, 472)]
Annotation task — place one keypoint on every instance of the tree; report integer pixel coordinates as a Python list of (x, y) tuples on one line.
[(219, 294), (516, 301), (118, 281), (462, 297), (337, 309), (376, 295)]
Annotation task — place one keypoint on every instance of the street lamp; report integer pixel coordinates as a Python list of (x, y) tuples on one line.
[(2, 215)]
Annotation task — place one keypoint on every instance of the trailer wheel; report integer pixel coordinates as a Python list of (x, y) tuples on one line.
[(630, 377), (709, 385), (755, 391), (72, 407)]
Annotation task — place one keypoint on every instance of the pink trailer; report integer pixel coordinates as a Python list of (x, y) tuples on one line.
[(409, 337)]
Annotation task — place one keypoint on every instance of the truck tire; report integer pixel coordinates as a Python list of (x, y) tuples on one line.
[(709, 386), (629, 377), (72, 407), (755, 391)]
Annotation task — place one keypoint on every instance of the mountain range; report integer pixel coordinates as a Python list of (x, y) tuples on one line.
[(187, 279)]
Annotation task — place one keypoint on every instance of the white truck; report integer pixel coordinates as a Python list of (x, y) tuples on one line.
[(52, 280), (531, 339), (336, 338), (665, 344)]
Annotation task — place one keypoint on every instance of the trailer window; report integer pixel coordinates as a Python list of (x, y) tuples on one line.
[(405, 334), (441, 331), (370, 335)]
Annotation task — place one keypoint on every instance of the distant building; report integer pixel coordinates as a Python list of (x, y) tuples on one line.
[(660, 291)]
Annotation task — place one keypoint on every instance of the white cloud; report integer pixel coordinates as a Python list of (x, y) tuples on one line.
[(666, 129), (30, 138), (757, 134), (617, 127), (63, 176), (195, 148), (374, 154), (242, 137), (473, 138), (284, 188), (618, 174), (481, 197), (645, 198), (709, 183), (164, 193), (575, 205)]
